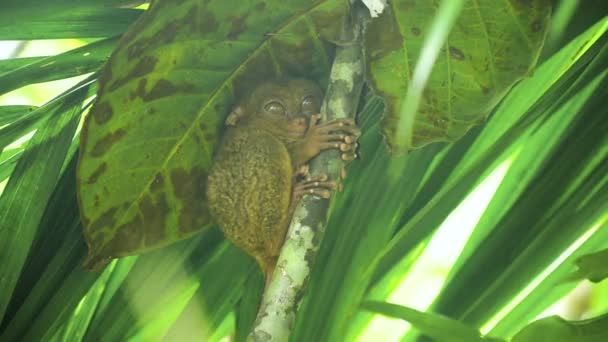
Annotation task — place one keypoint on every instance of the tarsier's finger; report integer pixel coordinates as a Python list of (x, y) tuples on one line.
[(334, 137), (320, 177), (346, 125), (342, 175), (329, 145), (329, 185), (302, 170), (314, 119), (349, 139), (323, 193), (347, 147), (338, 124), (347, 157)]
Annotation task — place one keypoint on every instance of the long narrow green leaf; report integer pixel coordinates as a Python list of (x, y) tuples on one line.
[(249, 304), (141, 290), (543, 218), (356, 232), (8, 160), (7, 65), (112, 286), (36, 118), (556, 329), (593, 266), (57, 248), (75, 62), (548, 290), (24, 199), (61, 306), (8, 114), (436, 326), (222, 281), (417, 229), (74, 328), (62, 19)]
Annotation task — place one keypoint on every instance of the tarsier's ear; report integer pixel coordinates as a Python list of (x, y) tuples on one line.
[(235, 115)]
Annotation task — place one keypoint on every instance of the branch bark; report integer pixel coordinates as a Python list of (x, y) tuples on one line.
[(282, 296)]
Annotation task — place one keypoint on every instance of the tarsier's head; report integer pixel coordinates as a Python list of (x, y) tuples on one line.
[(285, 106)]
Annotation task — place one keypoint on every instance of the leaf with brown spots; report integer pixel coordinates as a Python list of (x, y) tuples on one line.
[(492, 45), (147, 144)]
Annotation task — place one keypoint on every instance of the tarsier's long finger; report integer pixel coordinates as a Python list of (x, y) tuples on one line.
[(316, 178), (329, 145), (328, 185), (342, 175), (348, 157), (302, 170), (328, 137), (317, 185), (323, 193), (346, 125), (314, 119)]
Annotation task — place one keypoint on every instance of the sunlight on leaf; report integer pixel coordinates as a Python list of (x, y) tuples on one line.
[(535, 282), (433, 264)]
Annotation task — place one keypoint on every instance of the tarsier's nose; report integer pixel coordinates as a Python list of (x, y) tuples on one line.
[(300, 121)]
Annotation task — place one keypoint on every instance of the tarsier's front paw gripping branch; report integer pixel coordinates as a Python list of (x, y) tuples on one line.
[(340, 134), (260, 171)]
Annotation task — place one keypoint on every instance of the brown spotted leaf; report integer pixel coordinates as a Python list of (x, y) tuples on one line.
[(493, 44), (148, 142)]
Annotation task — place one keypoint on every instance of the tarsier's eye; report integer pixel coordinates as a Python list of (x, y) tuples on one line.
[(309, 105), (274, 108)]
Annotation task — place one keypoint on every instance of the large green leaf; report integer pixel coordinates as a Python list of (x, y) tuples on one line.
[(149, 139), (492, 45)]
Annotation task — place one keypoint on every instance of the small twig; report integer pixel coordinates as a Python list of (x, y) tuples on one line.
[(278, 310)]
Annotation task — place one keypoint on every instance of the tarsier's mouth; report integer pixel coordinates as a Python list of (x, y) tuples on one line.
[(298, 126)]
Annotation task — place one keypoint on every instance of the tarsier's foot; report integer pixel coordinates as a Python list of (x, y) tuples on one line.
[(316, 185)]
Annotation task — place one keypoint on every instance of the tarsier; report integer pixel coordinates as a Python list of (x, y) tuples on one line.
[(260, 170)]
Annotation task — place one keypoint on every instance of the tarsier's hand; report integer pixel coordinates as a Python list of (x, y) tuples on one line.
[(341, 134)]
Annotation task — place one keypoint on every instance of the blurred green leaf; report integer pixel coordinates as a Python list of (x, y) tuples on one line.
[(8, 65), (501, 144), (249, 304), (8, 160), (549, 290), (30, 187), (36, 118), (556, 329), (543, 217), (27, 20), (9, 114), (436, 326), (75, 62), (593, 266)]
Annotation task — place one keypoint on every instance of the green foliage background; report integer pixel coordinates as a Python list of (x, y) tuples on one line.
[(549, 138)]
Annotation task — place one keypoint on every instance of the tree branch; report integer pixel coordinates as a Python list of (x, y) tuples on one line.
[(278, 310)]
